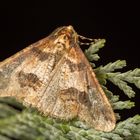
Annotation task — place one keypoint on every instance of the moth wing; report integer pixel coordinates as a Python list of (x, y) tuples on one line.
[(25, 74), (75, 92), (37, 76), (61, 85), (95, 108), (60, 97)]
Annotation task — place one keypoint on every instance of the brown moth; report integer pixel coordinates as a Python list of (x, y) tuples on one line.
[(54, 76)]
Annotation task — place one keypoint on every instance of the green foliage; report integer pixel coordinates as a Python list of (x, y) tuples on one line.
[(119, 79), (32, 126), (91, 52), (19, 123)]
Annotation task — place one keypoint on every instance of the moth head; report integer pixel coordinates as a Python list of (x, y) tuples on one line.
[(66, 36)]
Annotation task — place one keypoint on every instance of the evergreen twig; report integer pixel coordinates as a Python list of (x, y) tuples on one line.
[(18, 123)]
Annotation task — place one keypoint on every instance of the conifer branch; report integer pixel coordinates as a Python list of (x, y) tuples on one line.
[(91, 52), (123, 105), (112, 66), (33, 126), (114, 78), (117, 78), (19, 123)]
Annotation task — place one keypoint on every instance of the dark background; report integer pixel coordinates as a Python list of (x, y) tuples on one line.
[(118, 22)]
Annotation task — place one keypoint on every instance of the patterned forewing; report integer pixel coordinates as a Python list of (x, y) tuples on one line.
[(26, 74)]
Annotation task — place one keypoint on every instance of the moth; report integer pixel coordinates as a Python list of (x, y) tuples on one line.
[(54, 76)]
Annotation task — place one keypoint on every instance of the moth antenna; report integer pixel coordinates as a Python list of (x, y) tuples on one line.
[(86, 38), (81, 43), (92, 41)]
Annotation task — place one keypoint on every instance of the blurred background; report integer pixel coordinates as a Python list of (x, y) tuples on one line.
[(22, 24)]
